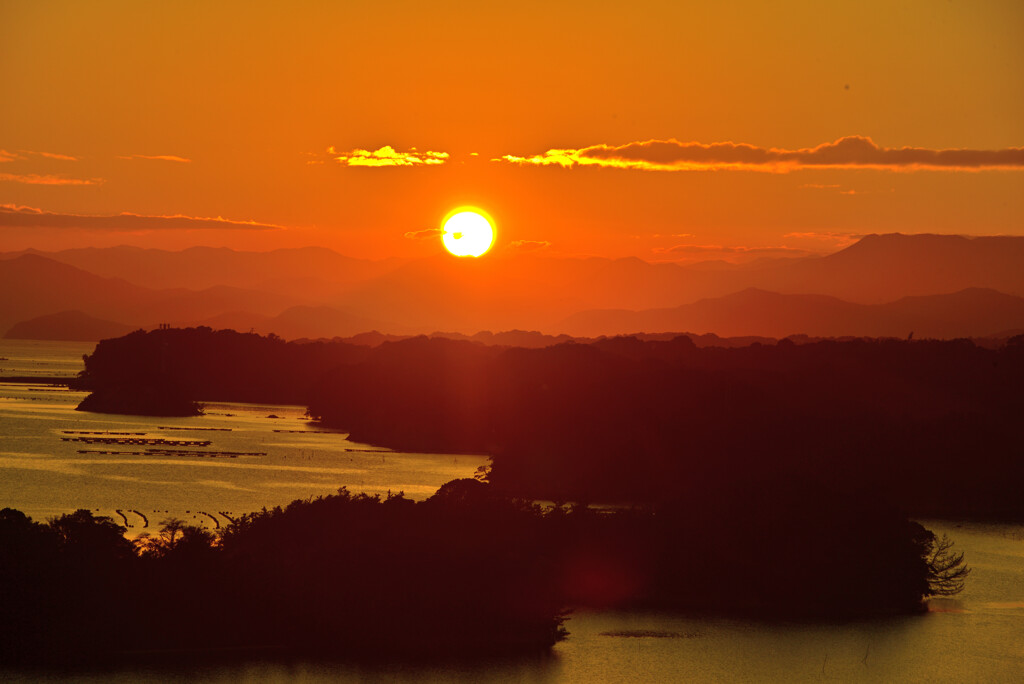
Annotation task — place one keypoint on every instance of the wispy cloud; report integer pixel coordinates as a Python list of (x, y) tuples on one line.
[(6, 156), (15, 216), (47, 179), (157, 157), (424, 234), (529, 245), (853, 152), (694, 252), (698, 249), (388, 156), (832, 187), (831, 238), (54, 155)]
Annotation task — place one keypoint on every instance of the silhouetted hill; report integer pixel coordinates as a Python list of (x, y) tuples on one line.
[(221, 365), (66, 325), (297, 272), (318, 322), (878, 268), (509, 338), (506, 291), (181, 307), (34, 286), (519, 291), (535, 340), (240, 321), (969, 313), (341, 575), (466, 295), (881, 268), (467, 573), (39, 286), (932, 426), (503, 292), (296, 322)]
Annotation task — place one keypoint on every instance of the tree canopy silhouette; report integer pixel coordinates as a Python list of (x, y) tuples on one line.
[(469, 571)]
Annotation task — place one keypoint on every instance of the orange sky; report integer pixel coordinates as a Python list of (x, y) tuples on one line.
[(782, 124)]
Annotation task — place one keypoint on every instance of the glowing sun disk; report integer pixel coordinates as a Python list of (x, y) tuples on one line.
[(467, 233)]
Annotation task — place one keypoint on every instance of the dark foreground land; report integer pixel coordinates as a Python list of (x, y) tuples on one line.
[(932, 427), (769, 480), (467, 573)]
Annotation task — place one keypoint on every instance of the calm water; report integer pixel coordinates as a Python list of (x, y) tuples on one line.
[(979, 637), (54, 459)]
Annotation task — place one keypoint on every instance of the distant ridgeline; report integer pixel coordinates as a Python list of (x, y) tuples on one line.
[(931, 425), (468, 572)]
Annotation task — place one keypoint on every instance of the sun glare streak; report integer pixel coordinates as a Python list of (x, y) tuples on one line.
[(467, 232)]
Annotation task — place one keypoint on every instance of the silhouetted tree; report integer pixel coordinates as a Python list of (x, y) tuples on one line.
[(947, 569), (176, 537), (86, 536)]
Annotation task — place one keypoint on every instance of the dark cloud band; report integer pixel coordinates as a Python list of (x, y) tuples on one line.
[(849, 152)]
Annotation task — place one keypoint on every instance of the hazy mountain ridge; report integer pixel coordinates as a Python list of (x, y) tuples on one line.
[(66, 326), (883, 268), (36, 286), (316, 292), (304, 321), (973, 312), (203, 267), (541, 292)]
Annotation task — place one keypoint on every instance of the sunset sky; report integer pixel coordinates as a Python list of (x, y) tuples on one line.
[(662, 130)]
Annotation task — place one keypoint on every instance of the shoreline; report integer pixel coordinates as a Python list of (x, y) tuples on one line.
[(37, 380)]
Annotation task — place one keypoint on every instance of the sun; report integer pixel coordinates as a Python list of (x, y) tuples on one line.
[(467, 232)]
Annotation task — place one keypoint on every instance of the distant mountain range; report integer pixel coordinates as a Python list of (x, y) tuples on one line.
[(34, 285), (535, 292), (296, 322), (934, 285), (72, 326), (287, 271), (973, 312)]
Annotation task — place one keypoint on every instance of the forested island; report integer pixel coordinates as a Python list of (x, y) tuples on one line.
[(768, 480), (165, 372), (929, 426), (776, 480), (469, 572)]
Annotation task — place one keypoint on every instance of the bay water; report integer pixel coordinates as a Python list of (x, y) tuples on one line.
[(54, 459)]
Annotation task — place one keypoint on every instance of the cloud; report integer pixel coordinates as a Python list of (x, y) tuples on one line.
[(388, 156), (54, 155), (838, 239), (424, 234), (14, 216), (852, 152), (6, 156), (722, 248), (157, 157), (729, 253), (47, 179), (529, 245)]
